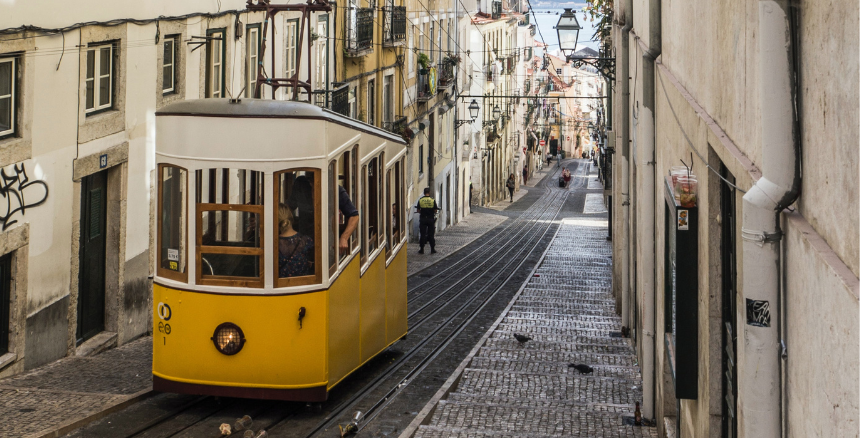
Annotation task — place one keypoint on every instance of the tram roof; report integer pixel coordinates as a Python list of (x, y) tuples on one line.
[(268, 109)]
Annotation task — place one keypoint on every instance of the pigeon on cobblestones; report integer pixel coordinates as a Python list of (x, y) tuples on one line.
[(522, 339), (582, 368)]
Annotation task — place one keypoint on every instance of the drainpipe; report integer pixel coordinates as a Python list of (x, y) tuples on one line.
[(646, 202), (623, 141), (779, 186)]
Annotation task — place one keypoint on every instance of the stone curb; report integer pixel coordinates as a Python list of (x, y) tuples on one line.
[(426, 413), (63, 429)]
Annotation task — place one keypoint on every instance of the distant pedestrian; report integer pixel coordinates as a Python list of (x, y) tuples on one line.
[(566, 175), (427, 209), (525, 175), (470, 194), (511, 184), (548, 159)]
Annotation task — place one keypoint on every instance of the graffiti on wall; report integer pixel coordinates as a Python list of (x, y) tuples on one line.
[(19, 193)]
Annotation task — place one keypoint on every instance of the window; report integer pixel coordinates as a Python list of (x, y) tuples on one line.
[(322, 53), (409, 52), (252, 59), (333, 235), (215, 63), (421, 159), (371, 102), (229, 223), (432, 41), (292, 33), (99, 78), (392, 218), (380, 200), (346, 178), (388, 101), (394, 193), (351, 103), (370, 220), (558, 71), (298, 229), (168, 83), (8, 96), (172, 222)]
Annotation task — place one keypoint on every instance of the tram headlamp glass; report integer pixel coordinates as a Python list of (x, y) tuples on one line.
[(228, 338)]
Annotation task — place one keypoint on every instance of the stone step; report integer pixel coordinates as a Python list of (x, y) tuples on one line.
[(626, 360), (529, 366)]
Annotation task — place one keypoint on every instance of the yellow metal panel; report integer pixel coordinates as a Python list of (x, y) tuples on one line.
[(344, 343), (395, 300), (277, 354), (373, 309)]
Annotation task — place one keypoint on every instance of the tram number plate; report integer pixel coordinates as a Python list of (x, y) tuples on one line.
[(164, 328)]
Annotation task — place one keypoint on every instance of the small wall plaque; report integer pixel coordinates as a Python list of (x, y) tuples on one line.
[(102, 161)]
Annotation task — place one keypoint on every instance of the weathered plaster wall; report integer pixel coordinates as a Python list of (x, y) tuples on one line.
[(821, 333)]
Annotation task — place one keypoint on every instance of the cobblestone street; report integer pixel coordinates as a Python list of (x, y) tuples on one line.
[(508, 389), (56, 398)]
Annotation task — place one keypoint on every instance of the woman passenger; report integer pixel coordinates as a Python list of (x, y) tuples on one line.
[(295, 250)]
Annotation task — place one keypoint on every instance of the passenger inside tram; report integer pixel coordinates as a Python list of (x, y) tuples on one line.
[(302, 204), (295, 249)]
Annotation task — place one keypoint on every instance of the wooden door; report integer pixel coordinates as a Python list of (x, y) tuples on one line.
[(91, 287)]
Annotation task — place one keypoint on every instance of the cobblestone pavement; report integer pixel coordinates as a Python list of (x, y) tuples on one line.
[(508, 389), (53, 398)]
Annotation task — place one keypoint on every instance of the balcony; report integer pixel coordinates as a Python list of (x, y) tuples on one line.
[(395, 127), (335, 100), (426, 85), (359, 31), (394, 31), (446, 75), (497, 10)]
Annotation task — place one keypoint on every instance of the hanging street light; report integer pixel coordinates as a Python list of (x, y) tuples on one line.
[(568, 32), (473, 113), (496, 113)]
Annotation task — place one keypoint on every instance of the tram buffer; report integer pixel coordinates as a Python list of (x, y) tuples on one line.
[(427, 209)]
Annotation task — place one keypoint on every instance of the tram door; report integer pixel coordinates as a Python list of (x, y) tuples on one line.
[(91, 285)]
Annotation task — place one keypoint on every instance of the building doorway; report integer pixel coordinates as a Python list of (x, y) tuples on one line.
[(91, 286)]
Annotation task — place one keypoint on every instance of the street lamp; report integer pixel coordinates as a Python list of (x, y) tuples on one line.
[(473, 113), (496, 113), (568, 31), (590, 128)]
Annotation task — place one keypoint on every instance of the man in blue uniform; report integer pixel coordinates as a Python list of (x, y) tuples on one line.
[(350, 215), (427, 209)]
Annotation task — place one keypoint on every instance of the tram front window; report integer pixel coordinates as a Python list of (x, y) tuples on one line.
[(298, 239), (230, 227), (173, 206)]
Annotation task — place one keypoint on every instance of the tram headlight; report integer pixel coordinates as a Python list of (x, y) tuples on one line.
[(228, 338)]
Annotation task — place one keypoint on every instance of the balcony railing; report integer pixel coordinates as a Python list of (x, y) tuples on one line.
[(396, 126), (426, 85), (336, 100), (446, 75), (359, 31), (497, 10), (394, 20)]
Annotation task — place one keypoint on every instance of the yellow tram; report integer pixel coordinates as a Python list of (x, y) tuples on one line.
[(260, 289)]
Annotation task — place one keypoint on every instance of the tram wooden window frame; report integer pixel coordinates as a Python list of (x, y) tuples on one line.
[(163, 272), (333, 215), (224, 280), (389, 231), (316, 278)]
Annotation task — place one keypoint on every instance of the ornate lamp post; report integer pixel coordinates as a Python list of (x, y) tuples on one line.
[(473, 113), (568, 32)]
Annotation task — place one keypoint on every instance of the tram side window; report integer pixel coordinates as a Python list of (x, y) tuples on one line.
[(371, 205), (363, 216), (380, 186), (173, 216), (333, 221), (299, 231), (401, 200), (392, 220), (346, 178), (229, 227)]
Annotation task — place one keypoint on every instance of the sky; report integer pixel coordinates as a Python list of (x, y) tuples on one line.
[(546, 22)]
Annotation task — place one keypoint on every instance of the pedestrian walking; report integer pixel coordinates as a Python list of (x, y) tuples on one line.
[(566, 175), (470, 194), (525, 175), (511, 184), (427, 208)]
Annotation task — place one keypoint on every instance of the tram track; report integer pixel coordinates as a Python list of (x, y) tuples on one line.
[(471, 286), (541, 214)]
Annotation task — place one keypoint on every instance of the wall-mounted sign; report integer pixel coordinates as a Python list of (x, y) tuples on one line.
[(102, 161), (683, 220)]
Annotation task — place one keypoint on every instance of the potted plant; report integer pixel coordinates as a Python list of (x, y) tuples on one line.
[(424, 62), (452, 59)]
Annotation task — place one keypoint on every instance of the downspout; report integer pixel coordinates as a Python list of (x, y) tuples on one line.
[(760, 395), (647, 219), (623, 143)]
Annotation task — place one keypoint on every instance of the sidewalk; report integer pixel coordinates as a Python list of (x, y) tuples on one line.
[(57, 398), (507, 389)]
